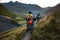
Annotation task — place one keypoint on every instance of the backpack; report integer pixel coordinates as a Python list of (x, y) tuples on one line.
[(34, 19), (29, 17), (29, 22)]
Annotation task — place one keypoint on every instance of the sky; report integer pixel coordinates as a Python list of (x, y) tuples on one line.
[(41, 3)]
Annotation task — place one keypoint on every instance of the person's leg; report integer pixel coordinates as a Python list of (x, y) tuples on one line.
[(31, 28), (27, 29)]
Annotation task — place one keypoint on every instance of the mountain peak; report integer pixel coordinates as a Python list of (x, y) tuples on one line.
[(16, 1), (59, 4), (11, 2)]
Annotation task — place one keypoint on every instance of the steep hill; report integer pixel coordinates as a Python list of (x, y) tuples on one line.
[(7, 19), (45, 10), (15, 7), (5, 12), (49, 27)]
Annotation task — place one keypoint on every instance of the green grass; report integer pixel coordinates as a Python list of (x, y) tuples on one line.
[(12, 34), (47, 30), (4, 11), (15, 34), (21, 35)]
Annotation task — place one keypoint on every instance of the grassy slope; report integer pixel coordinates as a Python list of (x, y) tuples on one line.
[(13, 34), (5, 12), (49, 27)]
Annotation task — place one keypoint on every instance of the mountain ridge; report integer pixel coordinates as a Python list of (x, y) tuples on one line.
[(5, 12), (18, 8), (22, 8)]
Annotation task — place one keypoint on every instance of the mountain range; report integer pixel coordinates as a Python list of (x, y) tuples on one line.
[(5, 12), (22, 8)]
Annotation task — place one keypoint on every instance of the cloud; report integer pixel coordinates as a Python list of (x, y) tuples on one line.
[(42, 3)]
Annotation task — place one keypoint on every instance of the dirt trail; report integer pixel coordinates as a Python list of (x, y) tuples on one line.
[(27, 36)]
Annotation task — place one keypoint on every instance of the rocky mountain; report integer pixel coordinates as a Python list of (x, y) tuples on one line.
[(15, 7), (22, 8), (49, 27), (5, 12), (18, 8)]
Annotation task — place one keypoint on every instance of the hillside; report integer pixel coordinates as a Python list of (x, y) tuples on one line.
[(49, 27), (45, 10), (7, 19), (15, 7), (5, 12)]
